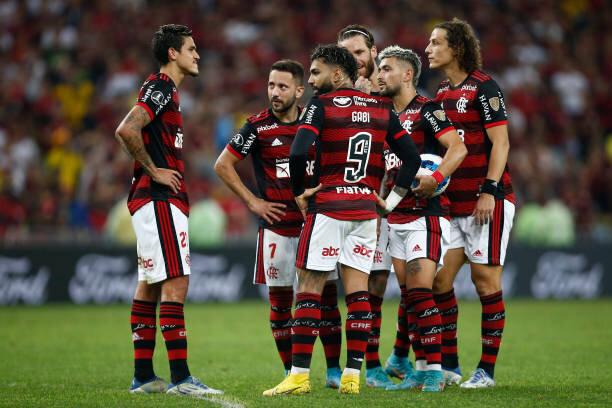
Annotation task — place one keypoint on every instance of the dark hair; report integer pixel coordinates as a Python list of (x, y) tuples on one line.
[(333, 54), (356, 29), (293, 67), (462, 39), (168, 36)]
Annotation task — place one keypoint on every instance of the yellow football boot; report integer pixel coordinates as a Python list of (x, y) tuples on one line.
[(293, 384), (349, 384)]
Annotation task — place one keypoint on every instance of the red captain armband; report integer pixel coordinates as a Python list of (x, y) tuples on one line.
[(438, 176)]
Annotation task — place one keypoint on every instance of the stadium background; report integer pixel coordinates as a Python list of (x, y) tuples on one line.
[(72, 69)]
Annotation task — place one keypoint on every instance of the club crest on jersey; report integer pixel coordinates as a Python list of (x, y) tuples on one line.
[(237, 139), (439, 114), (342, 101), (494, 102), (462, 104)]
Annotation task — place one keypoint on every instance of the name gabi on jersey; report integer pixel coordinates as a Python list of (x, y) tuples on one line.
[(267, 127), (360, 117), (353, 190), (282, 168), (248, 143)]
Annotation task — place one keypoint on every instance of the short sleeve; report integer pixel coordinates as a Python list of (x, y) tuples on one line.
[(490, 104), (243, 142), (436, 121), (312, 116), (154, 96)]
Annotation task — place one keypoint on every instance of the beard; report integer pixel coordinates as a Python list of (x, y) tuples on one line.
[(389, 91), (325, 87), (284, 106), (369, 68)]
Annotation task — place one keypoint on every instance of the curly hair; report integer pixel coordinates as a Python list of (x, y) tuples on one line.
[(332, 54), (404, 54), (462, 39), (168, 36)]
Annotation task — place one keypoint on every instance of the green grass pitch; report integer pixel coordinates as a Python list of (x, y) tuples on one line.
[(553, 354)]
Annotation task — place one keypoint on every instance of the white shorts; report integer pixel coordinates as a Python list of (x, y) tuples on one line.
[(162, 241), (325, 241), (484, 244), (426, 237), (275, 259), (382, 258)]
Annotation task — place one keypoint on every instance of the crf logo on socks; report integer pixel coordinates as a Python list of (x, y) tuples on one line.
[(362, 250), (136, 337), (429, 340), (360, 325), (331, 251), (281, 333)]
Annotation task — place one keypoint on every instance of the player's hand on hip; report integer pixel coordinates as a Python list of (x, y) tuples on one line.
[(270, 212), (426, 187), (381, 204), (483, 212), (302, 200), (168, 177), (363, 84)]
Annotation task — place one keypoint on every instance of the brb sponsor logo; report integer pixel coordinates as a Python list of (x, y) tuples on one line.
[(362, 250), (21, 282), (330, 251)]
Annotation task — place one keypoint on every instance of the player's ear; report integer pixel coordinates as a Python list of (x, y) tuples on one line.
[(374, 51), (299, 91), (172, 54)]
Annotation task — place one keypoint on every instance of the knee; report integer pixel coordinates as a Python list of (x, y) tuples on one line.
[(377, 284), (486, 285)]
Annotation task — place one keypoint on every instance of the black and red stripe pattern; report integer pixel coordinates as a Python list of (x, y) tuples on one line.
[(351, 162), (371, 355), (306, 321), (425, 122), (492, 329), (163, 140), (280, 323), (260, 273), (143, 322), (474, 106), (402, 341), (358, 326), (429, 323), (330, 328), (168, 240), (172, 325), (496, 230), (304, 242), (434, 238), (449, 311), (269, 142), (414, 334)]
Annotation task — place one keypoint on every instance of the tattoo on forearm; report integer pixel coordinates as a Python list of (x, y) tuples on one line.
[(134, 122)]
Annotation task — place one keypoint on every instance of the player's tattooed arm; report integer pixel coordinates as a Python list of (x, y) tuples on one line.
[(129, 135)]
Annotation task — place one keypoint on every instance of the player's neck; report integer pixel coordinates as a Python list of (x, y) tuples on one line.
[(402, 99), (288, 116), (454, 73), (173, 72)]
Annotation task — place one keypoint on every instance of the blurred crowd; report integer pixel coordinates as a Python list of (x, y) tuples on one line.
[(71, 70)]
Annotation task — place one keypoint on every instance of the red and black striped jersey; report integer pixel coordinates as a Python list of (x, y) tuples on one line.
[(474, 106), (425, 122), (163, 140), (269, 141), (351, 128)]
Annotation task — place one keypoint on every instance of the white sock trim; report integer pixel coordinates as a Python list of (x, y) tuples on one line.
[(351, 371), (299, 370)]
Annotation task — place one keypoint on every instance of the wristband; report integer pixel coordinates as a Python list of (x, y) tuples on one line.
[(489, 187), (438, 176), (392, 200)]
